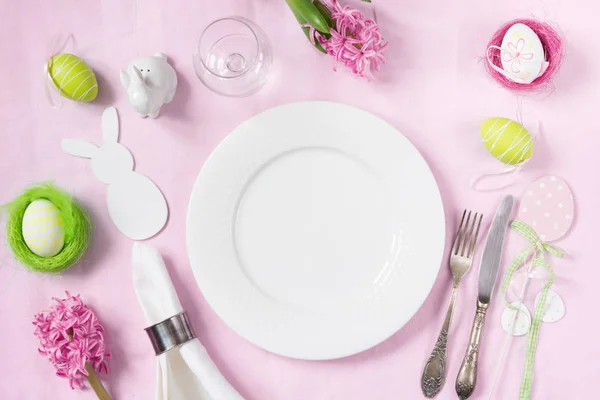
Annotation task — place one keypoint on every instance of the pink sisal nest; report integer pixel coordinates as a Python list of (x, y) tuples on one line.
[(553, 50)]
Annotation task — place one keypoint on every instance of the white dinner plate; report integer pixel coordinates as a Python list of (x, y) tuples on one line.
[(315, 230)]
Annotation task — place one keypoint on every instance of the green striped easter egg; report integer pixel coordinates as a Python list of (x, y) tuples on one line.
[(72, 77), (507, 140)]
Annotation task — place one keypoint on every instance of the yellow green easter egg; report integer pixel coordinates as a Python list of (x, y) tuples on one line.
[(43, 228), (507, 140), (72, 77)]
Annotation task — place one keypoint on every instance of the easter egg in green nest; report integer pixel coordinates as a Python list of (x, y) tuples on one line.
[(43, 228), (47, 229)]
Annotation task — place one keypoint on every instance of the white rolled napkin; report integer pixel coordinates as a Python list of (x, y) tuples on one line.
[(185, 372)]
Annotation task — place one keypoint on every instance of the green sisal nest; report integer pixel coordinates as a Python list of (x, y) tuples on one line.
[(77, 228)]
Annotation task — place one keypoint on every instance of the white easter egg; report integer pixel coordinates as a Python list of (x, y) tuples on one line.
[(43, 229), (555, 307), (520, 326), (522, 54)]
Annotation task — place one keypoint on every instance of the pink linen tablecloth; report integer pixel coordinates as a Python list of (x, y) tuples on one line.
[(433, 89)]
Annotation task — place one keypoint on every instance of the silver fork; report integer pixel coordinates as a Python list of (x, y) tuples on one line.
[(461, 258)]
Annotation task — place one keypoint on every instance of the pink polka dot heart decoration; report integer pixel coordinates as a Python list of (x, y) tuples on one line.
[(547, 206)]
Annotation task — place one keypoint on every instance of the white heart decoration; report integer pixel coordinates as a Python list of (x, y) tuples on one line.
[(522, 54)]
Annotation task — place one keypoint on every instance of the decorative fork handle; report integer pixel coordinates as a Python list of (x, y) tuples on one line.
[(434, 373), (467, 375)]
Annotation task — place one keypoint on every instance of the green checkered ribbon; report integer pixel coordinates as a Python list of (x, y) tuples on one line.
[(536, 250)]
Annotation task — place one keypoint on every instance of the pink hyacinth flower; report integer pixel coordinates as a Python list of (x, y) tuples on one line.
[(354, 41), (70, 337)]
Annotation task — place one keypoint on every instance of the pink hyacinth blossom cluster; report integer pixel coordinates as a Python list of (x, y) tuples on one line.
[(354, 41), (70, 337)]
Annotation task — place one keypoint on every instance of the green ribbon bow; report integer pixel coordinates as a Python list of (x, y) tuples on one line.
[(537, 250)]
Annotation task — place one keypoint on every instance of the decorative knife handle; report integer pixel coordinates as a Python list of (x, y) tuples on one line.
[(467, 375), (434, 373)]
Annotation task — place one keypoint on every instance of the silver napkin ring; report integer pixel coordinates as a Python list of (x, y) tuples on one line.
[(170, 333)]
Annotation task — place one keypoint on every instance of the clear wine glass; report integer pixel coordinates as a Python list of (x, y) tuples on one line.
[(233, 57)]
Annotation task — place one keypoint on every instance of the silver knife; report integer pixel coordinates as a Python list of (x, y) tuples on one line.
[(488, 271)]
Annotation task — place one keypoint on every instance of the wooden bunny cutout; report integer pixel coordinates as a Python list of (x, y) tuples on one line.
[(135, 204)]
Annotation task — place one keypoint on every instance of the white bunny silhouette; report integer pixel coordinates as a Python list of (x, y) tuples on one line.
[(135, 204)]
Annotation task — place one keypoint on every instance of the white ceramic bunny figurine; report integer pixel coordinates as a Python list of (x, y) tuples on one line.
[(135, 204), (150, 82)]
